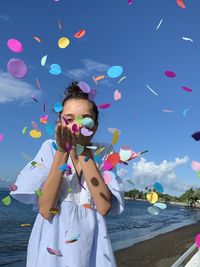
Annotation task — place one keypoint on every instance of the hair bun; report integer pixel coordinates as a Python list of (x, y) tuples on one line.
[(74, 90)]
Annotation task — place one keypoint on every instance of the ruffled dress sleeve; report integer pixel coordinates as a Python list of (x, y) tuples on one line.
[(33, 175)]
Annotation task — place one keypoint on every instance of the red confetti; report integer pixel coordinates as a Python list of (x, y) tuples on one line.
[(79, 34), (106, 105)]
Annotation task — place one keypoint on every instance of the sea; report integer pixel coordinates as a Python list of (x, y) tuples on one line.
[(133, 225)]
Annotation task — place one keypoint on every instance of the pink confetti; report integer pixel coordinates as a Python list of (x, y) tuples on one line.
[(15, 45), (197, 240), (107, 166), (195, 165), (13, 187), (54, 252), (187, 89), (75, 128), (130, 2), (1, 137), (117, 95), (170, 74), (106, 105)]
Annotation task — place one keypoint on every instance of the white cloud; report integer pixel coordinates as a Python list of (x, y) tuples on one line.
[(146, 173), (13, 89)]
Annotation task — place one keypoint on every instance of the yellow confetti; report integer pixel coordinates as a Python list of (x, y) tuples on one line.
[(25, 224), (152, 197), (115, 137), (54, 211), (63, 42), (35, 134)]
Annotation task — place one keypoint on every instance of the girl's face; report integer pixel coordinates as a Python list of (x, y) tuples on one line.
[(74, 108)]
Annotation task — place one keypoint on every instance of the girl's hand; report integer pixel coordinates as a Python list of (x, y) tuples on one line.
[(83, 140), (63, 136)]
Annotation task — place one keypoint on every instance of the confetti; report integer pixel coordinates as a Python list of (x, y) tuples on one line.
[(159, 24), (86, 132), (43, 60), (44, 106), (167, 110), (17, 68), (114, 71), (152, 197), (106, 105), (62, 168), (58, 106), (130, 182), (86, 158), (161, 206), (153, 210), (1, 137), (107, 165), (158, 187), (84, 87), (187, 39), (98, 78), (69, 190), (187, 89), (15, 45), (24, 130), (113, 158), (50, 129), (55, 69), (79, 149), (35, 126), (38, 84), (43, 119), (120, 80), (37, 39), (6, 200), (195, 165), (63, 42), (180, 3), (79, 34), (75, 128), (54, 145), (13, 187), (33, 97), (92, 147), (59, 24), (108, 176), (151, 89), (185, 111), (35, 134), (196, 136), (197, 240), (38, 193), (170, 74), (54, 211), (92, 94), (125, 153), (88, 122), (111, 130), (73, 239), (130, 2), (25, 224), (115, 137), (79, 119), (87, 206), (54, 252), (117, 95)]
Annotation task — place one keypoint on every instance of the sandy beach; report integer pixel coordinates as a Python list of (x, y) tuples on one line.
[(160, 251)]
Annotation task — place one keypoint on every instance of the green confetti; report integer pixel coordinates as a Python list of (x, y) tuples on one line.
[(79, 119), (33, 163), (198, 174), (69, 190), (24, 130), (38, 193), (6, 200)]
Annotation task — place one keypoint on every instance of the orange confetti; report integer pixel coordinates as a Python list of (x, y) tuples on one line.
[(99, 78), (38, 84), (180, 3), (87, 206), (59, 24), (114, 158), (79, 34), (37, 39)]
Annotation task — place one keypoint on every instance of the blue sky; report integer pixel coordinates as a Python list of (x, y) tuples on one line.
[(116, 34)]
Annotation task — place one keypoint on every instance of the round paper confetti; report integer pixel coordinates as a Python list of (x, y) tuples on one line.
[(1, 137), (35, 134), (158, 187), (153, 210), (58, 106), (161, 206), (55, 69), (84, 87), (125, 154), (88, 122), (117, 95), (13, 187), (79, 119), (50, 129), (152, 197), (108, 176), (17, 68), (63, 42), (79, 34), (114, 71), (86, 132), (92, 94), (107, 165), (170, 74), (195, 165), (15, 45), (6, 200), (75, 128), (79, 149)]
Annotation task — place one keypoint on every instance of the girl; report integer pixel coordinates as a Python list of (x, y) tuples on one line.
[(73, 198)]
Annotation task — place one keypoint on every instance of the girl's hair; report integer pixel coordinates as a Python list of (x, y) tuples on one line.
[(73, 91)]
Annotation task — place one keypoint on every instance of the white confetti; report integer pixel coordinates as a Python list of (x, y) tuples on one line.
[(151, 89), (187, 39), (159, 24)]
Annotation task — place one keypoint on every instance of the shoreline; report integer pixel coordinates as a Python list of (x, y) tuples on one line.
[(160, 251)]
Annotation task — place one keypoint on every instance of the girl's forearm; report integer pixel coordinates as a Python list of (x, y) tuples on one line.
[(51, 187), (96, 185)]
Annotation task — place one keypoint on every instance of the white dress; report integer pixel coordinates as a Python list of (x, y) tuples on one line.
[(93, 246)]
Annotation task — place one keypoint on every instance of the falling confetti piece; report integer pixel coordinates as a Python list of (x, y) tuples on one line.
[(152, 197), (197, 240), (115, 137), (88, 122), (38, 193), (196, 136), (114, 71), (159, 24), (1, 137), (59, 24), (120, 80), (187, 89), (63, 42), (130, 2), (86, 132), (180, 3), (117, 95), (161, 206), (113, 158), (43, 60), (79, 149), (84, 87), (55, 69), (187, 39), (107, 165), (170, 74), (33, 97), (98, 78), (153, 210), (198, 174), (15, 45), (54, 252), (106, 105), (35, 126), (38, 84), (54, 145), (50, 129), (43, 119), (185, 111), (75, 128), (195, 165), (79, 119), (58, 106), (69, 190), (17, 68), (13, 187), (25, 224), (37, 39), (73, 239), (151, 89), (54, 211), (44, 107), (158, 187), (62, 168), (35, 134), (130, 182), (79, 34), (92, 147), (167, 110), (6, 200), (111, 130), (108, 176), (87, 206)]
